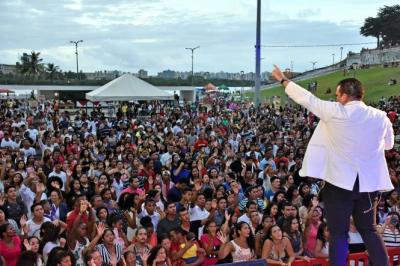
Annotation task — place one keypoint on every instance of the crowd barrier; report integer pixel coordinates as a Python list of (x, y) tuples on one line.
[(355, 259)]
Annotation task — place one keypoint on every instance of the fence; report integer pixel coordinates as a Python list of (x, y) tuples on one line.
[(355, 259)]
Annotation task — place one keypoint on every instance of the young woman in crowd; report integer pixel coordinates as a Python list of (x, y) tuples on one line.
[(277, 248), (267, 222), (322, 246), (210, 243), (242, 247)]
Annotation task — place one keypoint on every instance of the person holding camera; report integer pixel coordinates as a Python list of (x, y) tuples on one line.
[(390, 230)]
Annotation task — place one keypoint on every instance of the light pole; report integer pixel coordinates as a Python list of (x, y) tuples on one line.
[(291, 68), (313, 64), (192, 50), (76, 53), (242, 89), (333, 59), (341, 53)]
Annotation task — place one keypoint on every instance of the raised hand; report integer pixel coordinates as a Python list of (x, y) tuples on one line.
[(63, 241), (227, 216), (222, 237), (23, 221), (277, 73), (27, 245), (145, 255), (315, 202), (100, 229), (83, 207)]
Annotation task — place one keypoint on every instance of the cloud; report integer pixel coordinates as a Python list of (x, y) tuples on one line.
[(152, 34), (309, 12)]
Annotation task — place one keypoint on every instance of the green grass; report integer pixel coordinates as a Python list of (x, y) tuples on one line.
[(375, 81)]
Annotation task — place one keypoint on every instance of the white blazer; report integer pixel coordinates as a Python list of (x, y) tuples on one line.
[(349, 140)]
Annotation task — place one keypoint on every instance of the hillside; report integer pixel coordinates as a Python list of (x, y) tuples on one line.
[(375, 81)]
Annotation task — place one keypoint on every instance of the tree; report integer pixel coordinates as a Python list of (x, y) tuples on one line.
[(52, 71), (372, 27), (30, 64), (385, 26)]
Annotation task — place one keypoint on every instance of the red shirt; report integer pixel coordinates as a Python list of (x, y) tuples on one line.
[(11, 254), (72, 216), (175, 249), (200, 143)]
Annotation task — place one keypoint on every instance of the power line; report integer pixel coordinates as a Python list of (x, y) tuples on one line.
[(316, 45)]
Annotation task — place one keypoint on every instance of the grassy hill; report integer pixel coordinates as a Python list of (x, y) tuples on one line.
[(375, 81)]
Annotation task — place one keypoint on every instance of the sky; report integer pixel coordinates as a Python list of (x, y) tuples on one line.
[(129, 35)]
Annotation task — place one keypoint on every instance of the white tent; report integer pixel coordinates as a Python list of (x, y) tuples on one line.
[(128, 88)]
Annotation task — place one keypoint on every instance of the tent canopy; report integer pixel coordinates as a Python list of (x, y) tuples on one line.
[(128, 88), (223, 87)]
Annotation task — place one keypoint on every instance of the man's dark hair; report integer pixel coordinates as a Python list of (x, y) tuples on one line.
[(148, 201), (352, 87), (167, 204), (251, 202), (34, 205)]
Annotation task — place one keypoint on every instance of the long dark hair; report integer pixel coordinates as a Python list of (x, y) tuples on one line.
[(320, 233), (153, 254), (48, 233), (250, 240), (287, 225)]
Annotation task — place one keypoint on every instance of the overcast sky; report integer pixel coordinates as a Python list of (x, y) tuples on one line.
[(129, 35)]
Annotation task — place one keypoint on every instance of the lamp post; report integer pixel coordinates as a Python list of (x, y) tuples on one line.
[(291, 68), (76, 53), (192, 50), (242, 89), (341, 53), (333, 59), (313, 64)]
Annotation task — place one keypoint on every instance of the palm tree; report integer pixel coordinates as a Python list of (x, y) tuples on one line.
[(30, 64), (52, 70), (35, 66)]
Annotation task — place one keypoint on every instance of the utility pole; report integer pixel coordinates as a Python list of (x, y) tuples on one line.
[(258, 55), (333, 59), (76, 53), (192, 50)]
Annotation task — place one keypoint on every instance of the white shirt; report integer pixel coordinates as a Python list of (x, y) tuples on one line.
[(349, 140), (28, 197), (9, 143), (33, 228)]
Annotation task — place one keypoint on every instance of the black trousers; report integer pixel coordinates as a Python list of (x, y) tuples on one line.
[(340, 204)]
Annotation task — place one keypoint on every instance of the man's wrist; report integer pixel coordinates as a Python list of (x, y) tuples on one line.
[(283, 80)]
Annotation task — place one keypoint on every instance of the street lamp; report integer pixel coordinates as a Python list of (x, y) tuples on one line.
[(242, 89), (341, 53), (76, 53), (291, 67), (313, 64), (333, 59), (192, 50)]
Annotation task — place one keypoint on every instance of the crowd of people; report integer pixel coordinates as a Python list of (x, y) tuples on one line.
[(167, 185)]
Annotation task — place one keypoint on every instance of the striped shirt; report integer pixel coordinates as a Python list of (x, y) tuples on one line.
[(105, 255), (391, 239), (243, 203)]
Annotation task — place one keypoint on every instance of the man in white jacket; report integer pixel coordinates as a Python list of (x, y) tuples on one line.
[(347, 151)]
